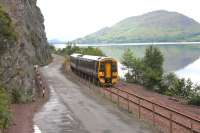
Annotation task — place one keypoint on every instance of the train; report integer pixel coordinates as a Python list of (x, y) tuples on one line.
[(100, 70)]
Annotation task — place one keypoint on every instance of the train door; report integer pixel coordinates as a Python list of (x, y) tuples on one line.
[(108, 70)]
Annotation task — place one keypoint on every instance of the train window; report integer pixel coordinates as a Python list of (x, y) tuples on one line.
[(114, 67), (96, 66), (102, 67)]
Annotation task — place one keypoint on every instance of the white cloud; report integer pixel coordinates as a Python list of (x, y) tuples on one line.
[(70, 19)]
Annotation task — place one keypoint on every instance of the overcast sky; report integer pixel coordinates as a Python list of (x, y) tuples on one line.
[(70, 19)]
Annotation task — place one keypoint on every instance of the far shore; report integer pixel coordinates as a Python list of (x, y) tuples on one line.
[(129, 44)]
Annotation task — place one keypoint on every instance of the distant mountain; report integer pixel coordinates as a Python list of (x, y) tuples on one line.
[(56, 41), (156, 26)]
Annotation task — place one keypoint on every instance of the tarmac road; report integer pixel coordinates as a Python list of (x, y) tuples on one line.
[(69, 110)]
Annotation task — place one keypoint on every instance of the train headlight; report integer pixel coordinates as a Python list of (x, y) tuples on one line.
[(102, 80), (114, 73), (101, 73)]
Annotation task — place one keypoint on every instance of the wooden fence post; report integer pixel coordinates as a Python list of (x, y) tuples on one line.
[(191, 127), (139, 109), (171, 124), (154, 121), (110, 93), (128, 102), (118, 97)]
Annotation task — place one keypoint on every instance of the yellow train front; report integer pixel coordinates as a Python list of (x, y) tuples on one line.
[(98, 69)]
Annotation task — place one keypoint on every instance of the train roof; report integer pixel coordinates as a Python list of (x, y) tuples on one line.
[(76, 55), (90, 57)]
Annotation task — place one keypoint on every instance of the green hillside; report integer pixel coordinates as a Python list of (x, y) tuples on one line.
[(156, 26)]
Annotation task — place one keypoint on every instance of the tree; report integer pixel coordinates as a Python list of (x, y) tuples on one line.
[(51, 48), (153, 70), (92, 51), (128, 61)]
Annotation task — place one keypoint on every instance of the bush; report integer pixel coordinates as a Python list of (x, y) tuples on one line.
[(195, 96), (70, 49), (168, 84), (7, 32), (92, 51), (195, 100), (20, 96), (7, 28), (5, 115), (173, 86), (51, 48)]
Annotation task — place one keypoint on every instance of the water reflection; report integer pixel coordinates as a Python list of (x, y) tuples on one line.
[(191, 71), (36, 129)]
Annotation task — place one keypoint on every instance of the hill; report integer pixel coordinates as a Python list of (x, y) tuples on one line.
[(56, 41), (156, 26)]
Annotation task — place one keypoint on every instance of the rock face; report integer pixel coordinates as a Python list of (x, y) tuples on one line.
[(29, 46)]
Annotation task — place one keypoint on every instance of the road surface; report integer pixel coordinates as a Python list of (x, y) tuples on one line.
[(70, 110)]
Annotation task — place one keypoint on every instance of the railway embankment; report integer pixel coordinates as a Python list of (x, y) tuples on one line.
[(165, 112)]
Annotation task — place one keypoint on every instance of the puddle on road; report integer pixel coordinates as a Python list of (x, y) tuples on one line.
[(36, 129), (56, 117)]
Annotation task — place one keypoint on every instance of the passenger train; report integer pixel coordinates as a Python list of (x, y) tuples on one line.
[(99, 69)]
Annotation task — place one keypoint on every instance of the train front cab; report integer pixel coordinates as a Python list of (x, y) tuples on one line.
[(107, 72)]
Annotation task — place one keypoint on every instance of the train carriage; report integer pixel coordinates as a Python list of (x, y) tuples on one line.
[(102, 70)]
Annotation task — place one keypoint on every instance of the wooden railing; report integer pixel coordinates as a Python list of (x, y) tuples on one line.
[(194, 126)]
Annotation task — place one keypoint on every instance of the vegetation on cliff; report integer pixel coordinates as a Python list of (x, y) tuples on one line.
[(156, 26), (4, 109), (148, 71), (7, 35), (7, 32), (23, 44)]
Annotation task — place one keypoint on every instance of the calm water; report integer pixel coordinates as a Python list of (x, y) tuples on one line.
[(191, 71), (184, 59)]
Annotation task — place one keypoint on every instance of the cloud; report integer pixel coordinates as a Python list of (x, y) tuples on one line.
[(70, 19)]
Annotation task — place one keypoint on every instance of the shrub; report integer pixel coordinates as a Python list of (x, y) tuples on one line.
[(7, 28), (173, 86), (5, 114), (92, 51), (51, 48), (195, 96), (168, 84), (21, 96), (195, 100)]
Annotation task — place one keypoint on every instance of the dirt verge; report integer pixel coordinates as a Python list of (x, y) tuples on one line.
[(22, 116)]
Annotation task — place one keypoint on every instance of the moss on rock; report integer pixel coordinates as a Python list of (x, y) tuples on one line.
[(7, 32)]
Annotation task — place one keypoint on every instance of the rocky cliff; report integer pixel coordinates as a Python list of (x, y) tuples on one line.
[(23, 46)]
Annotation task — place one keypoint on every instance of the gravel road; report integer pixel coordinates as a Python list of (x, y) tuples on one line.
[(69, 109)]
